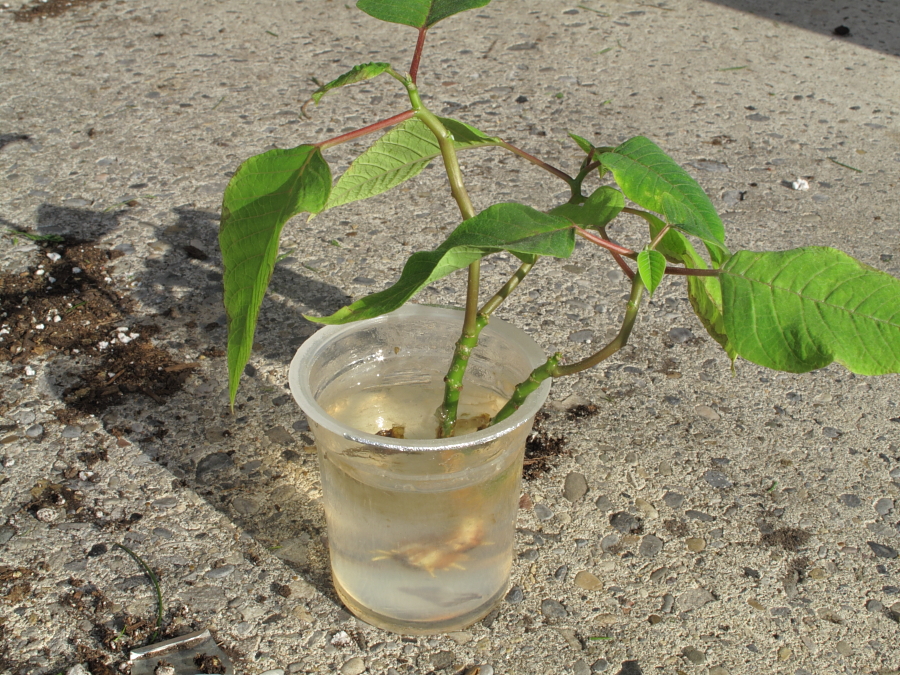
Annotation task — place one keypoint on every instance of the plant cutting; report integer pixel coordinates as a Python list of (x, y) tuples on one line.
[(420, 413)]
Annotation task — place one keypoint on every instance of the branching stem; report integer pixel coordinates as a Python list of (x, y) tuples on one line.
[(621, 339), (378, 126), (559, 173)]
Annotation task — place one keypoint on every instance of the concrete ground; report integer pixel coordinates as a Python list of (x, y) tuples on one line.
[(769, 504)]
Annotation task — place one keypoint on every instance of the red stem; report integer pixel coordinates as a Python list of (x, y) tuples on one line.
[(538, 162), (349, 136), (620, 252), (606, 243), (417, 55), (625, 268)]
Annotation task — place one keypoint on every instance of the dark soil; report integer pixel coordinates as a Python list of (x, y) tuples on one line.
[(788, 538), (67, 305), (542, 449), (40, 10), (209, 664)]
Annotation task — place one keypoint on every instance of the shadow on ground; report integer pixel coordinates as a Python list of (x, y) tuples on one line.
[(257, 486), (874, 24)]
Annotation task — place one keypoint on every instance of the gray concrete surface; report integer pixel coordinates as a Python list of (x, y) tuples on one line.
[(759, 493)]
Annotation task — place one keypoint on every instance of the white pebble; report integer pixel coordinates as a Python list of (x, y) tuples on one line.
[(39, 272), (76, 270), (52, 280), (39, 326), (29, 371), (102, 344), (341, 639), (122, 329), (57, 318), (54, 256), (800, 184), (46, 515), (124, 339)]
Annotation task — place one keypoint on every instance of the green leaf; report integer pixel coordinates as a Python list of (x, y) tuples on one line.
[(704, 293), (583, 143), (652, 267), (604, 204), (364, 71), (519, 229), (646, 174), (264, 193), (398, 156), (678, 216), (801, 309), (417, 13)]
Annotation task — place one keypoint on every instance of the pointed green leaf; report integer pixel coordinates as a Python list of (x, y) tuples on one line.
[(364, 71), (519, 229), (704, 293), (604, 204), (264, 193), (679, 216), (652, 267), (398, 156), (801, 309), (583, 143), (417, 13), (645, 174)]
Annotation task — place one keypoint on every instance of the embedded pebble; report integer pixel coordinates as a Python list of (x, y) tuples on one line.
[(882, 551), (442, 659), (717, 479), (220, 572), (680, 335), (599, 666), (354, 666), (884, 506), (78, 669), (844, 648), (696, 544), (580, 667), (588, 581), (625, 522), (694, 655), (785, 653), (581, 336), (515, 595), (34, 431), (645, 507), (553, 609), (274, 671), (694, 598), (575, 487), (707, 413), (484, 669), (850, 501), (71, 431), (673, 500), (651, 545), (603, 503), (542, 512), (665, 468), (211, 464), (721, 670)]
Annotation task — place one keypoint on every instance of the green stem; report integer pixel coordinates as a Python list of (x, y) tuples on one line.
[(621, 339), (524, 389), (508, 288), (471, 322)]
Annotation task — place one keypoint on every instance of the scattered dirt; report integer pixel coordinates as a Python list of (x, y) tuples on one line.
[(788, 538), (580, 412), (542, 449), (209, 664), (49, 8), (675, 527), (67, 305)]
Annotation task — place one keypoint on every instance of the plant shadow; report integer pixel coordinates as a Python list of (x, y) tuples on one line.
[(264, 491)]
